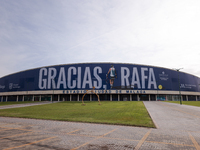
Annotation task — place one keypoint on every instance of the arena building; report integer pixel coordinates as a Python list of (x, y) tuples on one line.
[(112, 82)]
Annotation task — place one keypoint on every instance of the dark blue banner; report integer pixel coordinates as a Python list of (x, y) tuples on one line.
[(101, 76)]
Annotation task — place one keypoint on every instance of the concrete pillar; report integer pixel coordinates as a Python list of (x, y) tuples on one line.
[(138, 97), (6, 98), (17, 98), (156, 97), (118, 97), (130, 97), (51, 98), (40, 99), (196, 97), (23, 98), (33, 98), (149, 97), (90, 97), (70, 97), (186, 97), (110, 97), (78, 97), (58, 97), (1, 98)]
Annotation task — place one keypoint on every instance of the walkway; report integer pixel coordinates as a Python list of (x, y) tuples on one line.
[(178, 128), (25, 105), (178, 125)]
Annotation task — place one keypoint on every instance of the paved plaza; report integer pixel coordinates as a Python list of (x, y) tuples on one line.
[(178, 128)]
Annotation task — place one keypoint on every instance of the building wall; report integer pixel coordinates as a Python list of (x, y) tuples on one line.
[(139, 82)]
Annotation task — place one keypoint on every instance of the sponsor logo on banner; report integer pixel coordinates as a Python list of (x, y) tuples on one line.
[(2, 86), (160, 87), (187, 86), (163, 76), (13, 86)]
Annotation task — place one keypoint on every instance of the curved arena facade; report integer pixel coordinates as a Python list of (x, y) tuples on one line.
[(112, 82)]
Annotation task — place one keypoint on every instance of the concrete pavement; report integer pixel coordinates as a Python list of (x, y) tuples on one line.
[(178, 128), (25, 105), (176, 124)]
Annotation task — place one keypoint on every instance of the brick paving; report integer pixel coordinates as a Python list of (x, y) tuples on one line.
[(178, 127)]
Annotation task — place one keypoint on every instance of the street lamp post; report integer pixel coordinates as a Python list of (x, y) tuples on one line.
[(53, 92), (178, 70), (53, 96), (198, 96)]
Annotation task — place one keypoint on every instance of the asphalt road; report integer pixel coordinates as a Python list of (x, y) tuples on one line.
[(178, 127)]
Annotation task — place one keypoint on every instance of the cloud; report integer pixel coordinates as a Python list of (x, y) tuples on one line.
[(42, 33)]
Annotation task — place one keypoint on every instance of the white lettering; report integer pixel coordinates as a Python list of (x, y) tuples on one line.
[(51, 78), (62, 78), (42, 82), (73, 85), (124, 78), (87, 78), (96, 70), (79, 78), (153, 81), (143, 76), (135, 78)]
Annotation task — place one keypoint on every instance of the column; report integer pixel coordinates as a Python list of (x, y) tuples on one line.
[(23, 98), (130, 97), (17, 98), (90, 97), (6, 98), (1, 98), (58, 97), (33, 98), (138, 97), (118, 97), (110, 97), (156, 97), (78, 97), (149, 97), (70, 97), (196, 97), (40, 99), (51, 98), (186, 97)]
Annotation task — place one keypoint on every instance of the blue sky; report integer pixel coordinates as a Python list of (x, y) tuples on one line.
[(36, 33)]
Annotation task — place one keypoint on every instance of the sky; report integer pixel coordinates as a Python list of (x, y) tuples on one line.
[(37, 33)]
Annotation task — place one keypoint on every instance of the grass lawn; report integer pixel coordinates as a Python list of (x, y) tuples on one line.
[(192, 103), (13, 103), (122, 113)]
